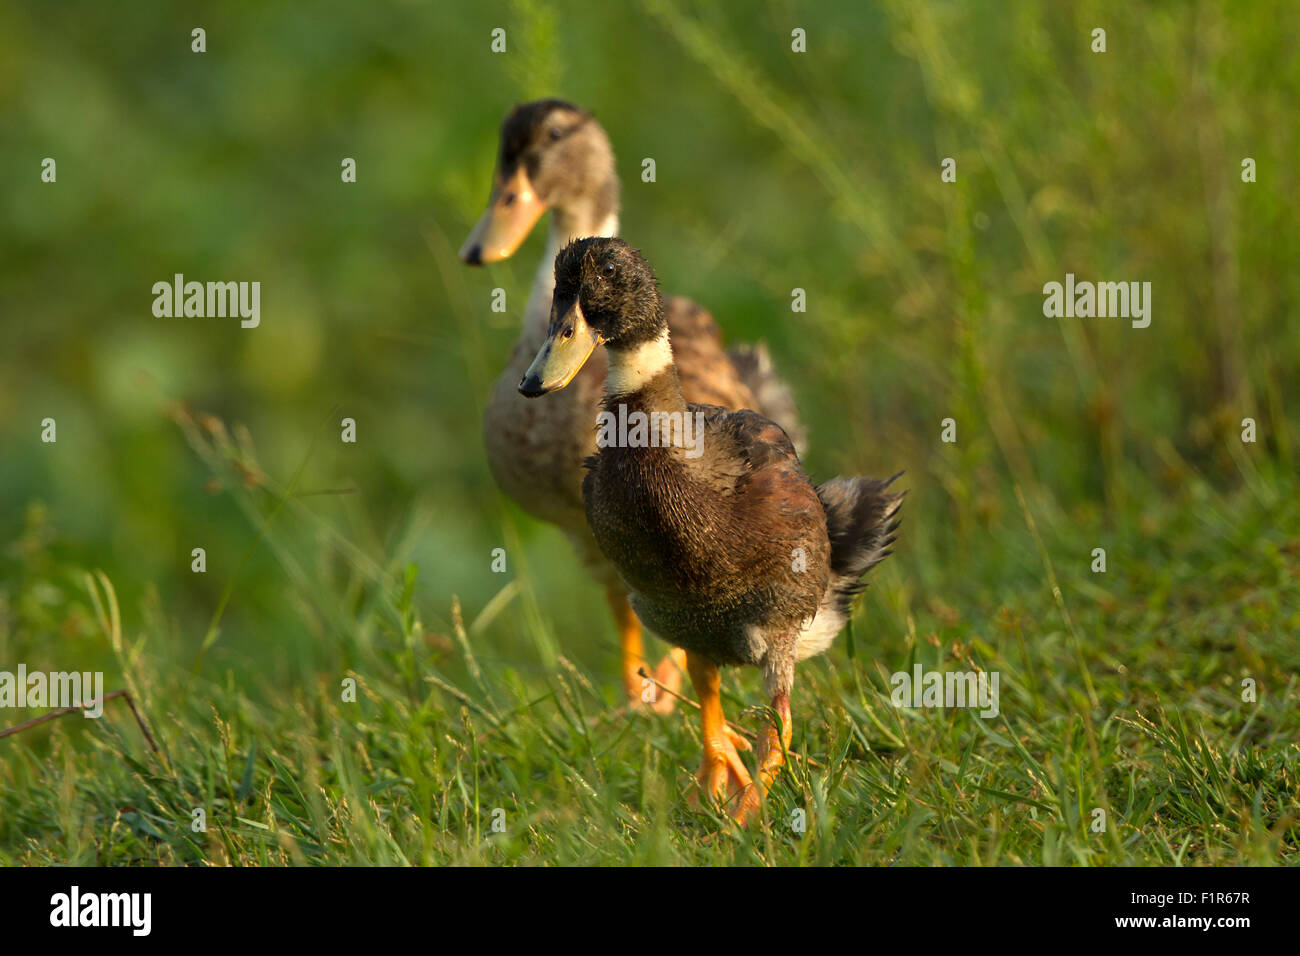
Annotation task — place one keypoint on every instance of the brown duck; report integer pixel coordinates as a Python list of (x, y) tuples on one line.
[(555, 156), (727, 548)]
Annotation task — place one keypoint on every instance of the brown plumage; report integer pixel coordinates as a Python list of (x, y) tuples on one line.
[(728, 549), (556, 157)]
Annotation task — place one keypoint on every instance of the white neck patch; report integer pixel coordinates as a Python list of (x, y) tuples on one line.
[(631, 369)]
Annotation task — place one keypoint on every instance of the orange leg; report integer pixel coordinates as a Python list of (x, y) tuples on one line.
[(640, 691), (722, 775), (669, 673), (629, 635), (772, 748)]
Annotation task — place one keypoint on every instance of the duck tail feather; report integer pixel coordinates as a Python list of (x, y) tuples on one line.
[(862, 521)]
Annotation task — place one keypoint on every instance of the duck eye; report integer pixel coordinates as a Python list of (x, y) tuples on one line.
[(609, 268), (567, 333), (509, 200), (556, 132)]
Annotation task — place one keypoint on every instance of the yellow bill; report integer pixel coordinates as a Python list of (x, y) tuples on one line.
[(513, 209), (568, 345)]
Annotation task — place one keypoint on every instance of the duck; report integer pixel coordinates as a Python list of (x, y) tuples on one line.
[(726, 547), (556, 157)]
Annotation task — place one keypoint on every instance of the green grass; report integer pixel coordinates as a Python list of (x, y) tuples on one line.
[(1124, 695), (1120, 691)]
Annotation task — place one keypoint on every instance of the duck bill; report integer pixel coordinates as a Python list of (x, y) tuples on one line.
[(513, 209), (568, 345)]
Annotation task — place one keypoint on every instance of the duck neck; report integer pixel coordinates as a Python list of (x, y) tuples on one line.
[(644, 378), (644, 414), (566, 225)]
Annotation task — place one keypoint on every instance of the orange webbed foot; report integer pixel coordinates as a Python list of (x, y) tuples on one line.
[(723, 778)]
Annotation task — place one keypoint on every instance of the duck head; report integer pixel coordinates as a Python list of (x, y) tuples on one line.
[(554, 156), (605, 294)]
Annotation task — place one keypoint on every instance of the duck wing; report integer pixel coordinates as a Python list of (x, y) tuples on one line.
[(754, 365), (771, 522), (740, 377)]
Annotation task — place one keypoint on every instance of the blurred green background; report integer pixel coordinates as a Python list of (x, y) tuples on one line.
[(775, 170)]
